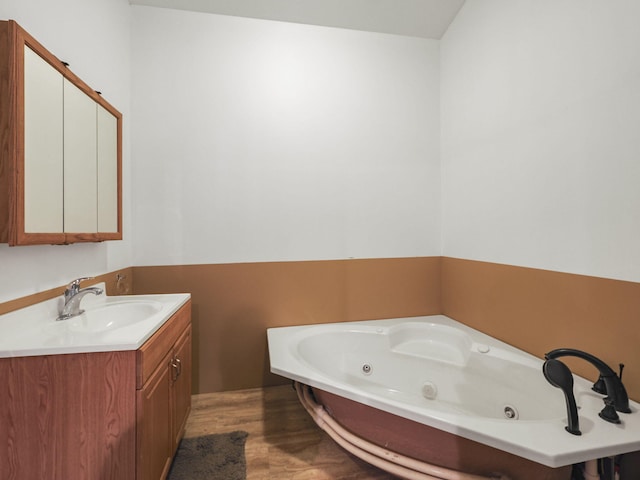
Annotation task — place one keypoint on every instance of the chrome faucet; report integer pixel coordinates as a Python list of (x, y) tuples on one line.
[(609, 383), (72, 296)]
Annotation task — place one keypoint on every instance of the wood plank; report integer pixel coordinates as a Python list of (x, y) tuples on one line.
[(283, 443)]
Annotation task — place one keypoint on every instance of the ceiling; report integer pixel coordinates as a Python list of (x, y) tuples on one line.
[(416, 18)]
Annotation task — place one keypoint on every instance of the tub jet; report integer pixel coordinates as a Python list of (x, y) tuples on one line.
[(510, 412), (429, 390)]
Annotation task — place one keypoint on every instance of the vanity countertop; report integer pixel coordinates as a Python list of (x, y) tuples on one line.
[(110, 323)]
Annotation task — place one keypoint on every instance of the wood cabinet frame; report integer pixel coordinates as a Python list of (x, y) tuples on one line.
[(12, 149)]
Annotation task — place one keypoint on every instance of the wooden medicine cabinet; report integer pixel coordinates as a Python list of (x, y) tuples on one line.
[(60, 150)]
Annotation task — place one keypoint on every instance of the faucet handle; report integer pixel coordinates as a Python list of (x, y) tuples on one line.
[(76, 282), (74, 286), (609, 413)]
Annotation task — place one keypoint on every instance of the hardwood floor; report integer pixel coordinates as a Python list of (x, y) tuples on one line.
[(283, 443)]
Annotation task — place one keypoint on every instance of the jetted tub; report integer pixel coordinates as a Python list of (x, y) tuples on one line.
[(435, 390)]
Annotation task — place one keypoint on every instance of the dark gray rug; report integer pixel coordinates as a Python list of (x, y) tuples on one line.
[(211, 457)]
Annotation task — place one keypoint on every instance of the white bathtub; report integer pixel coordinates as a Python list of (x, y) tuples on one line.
[(440, 373)]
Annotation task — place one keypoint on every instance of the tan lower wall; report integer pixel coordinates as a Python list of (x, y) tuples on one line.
[(535, 310), (234, 304), (540, 310)]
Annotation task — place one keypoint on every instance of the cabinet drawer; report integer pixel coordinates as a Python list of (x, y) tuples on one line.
[(155, 349)]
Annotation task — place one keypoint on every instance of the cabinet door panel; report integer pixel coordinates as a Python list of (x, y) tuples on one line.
[(182, 387), (43, 147), (80, 162), (107, 171), (154, 430)]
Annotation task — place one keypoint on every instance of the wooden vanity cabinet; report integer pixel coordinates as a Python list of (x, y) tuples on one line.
[(60, 150), (104, 415), (163, 395)]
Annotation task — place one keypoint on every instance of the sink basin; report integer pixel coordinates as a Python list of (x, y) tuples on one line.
[(108, 324), (113, 315)]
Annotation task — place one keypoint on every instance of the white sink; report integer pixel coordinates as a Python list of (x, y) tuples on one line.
[(113, 315), (109, 323)]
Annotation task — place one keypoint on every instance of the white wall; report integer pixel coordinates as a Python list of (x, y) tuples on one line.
[(93, 36), (540, 135), (257, 140)]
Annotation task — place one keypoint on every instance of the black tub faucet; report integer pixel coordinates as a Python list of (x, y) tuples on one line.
[(617, 399)]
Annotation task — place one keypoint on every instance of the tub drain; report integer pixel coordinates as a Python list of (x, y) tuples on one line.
[(510, 412)]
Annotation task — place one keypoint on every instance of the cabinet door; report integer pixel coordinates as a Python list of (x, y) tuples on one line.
[(181, 391), (107, 171), (154, 436), (43, 148), (80, 161)]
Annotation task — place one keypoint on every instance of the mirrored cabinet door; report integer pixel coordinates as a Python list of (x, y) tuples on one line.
[(107, 171), (43, 146), (80, 161)]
